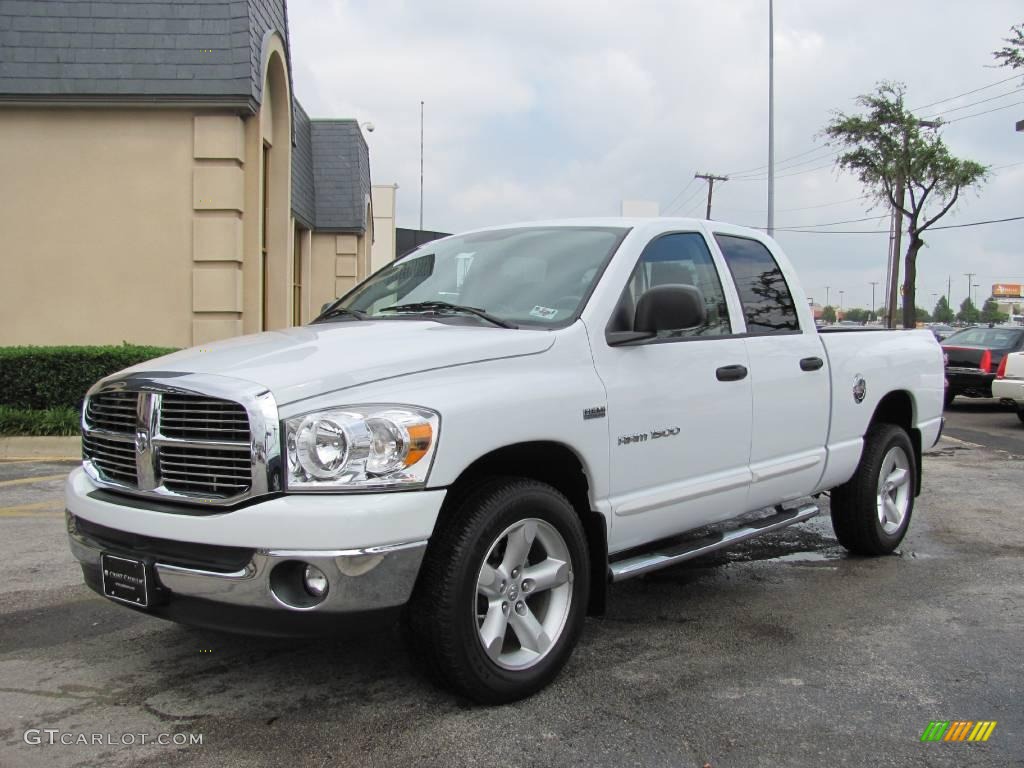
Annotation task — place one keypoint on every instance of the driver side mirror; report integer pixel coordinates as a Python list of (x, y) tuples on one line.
[(663, 308)]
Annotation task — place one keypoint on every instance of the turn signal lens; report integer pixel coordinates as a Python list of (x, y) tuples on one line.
[(420, 438)]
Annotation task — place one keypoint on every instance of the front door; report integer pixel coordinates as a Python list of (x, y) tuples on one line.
[(679, 406)]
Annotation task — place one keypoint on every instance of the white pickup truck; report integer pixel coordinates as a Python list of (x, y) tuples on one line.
[(489, 432)]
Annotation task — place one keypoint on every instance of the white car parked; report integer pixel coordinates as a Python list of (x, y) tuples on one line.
[(492, 430), (1009, 384)]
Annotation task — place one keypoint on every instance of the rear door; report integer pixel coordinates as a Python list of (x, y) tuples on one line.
[(789, 376)]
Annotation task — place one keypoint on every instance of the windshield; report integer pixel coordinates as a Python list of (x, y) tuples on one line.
[(995, 338), (530, 276)]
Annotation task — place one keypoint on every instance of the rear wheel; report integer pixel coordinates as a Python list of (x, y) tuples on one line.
[(871, 511), (502, 593), (948, 399), (1020, 413)]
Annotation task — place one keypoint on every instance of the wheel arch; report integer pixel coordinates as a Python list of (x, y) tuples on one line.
[(558, 465), (898, 408)]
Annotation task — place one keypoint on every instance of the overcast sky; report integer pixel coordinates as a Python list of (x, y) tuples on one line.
[(551, 108)]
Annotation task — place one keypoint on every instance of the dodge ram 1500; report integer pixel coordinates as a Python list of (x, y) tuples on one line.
[(492, 430)]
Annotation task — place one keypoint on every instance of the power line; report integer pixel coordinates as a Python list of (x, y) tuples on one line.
[(783, 160), (685, 202), (788, 175), (680, 194), (965, 93), (1014, 92), (788, 167), (979, 114), (886, 231)]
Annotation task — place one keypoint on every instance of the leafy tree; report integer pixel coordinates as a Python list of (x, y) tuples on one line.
[(942, 312), (968, 312), (888, 144), (858, 315), (921, 315), (990, 312), (1012, 54), (828, 314)]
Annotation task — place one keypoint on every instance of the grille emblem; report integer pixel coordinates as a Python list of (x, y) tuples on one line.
[(141, 441)]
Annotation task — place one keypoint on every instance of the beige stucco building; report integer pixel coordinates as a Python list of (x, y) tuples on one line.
[(159, 182)]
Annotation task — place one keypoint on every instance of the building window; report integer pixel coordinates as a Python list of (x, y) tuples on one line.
[(297, 277)]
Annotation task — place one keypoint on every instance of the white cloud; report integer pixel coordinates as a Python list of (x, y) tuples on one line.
[(538, 109)]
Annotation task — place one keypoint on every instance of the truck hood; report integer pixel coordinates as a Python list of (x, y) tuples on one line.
[(312, 360)]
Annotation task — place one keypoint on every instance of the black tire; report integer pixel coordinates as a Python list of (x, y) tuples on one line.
[(855, 504), (441, 622), (948, 399), (1020, 414)]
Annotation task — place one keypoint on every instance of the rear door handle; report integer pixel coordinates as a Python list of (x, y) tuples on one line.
[(811, 363), (731, 373)]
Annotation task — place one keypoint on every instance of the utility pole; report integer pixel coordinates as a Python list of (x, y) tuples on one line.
[(421, 166), (771, 120), (894, 257), (826, 296), (970, 279), (710, 178), (873, 284), (949, 291)]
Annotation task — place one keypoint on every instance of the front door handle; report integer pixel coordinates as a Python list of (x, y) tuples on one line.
[(731, 373), (811, 363)]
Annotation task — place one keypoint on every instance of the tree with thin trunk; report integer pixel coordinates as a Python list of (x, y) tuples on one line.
[(887, 144), (1012, 54)]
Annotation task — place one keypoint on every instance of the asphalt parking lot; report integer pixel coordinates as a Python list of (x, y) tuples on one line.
[(782, 652)]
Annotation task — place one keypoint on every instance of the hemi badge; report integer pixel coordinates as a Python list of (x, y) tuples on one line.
[(594, 413)]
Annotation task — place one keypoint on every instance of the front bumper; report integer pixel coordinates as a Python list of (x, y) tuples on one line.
[(248, 559)]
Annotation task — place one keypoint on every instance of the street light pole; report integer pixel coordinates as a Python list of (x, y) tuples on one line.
[(771, 119), (826, 296), (873, 284), (421, 166)]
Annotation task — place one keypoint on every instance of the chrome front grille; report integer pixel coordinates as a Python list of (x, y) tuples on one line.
[(162, 438), (202, 418), (115, 459), (221, 471), (113, 411)]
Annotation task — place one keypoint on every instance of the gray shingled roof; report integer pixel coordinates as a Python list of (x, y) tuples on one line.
[(303, 190), (199, 51), (341, 175)]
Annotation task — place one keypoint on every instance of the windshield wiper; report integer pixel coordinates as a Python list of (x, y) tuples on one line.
[(444, 306), (336, 311)]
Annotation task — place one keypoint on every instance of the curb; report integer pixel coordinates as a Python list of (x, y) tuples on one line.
[(40, 448)]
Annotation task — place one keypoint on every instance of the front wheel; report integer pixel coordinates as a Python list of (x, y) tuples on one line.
[(871, 511), (501, 597)]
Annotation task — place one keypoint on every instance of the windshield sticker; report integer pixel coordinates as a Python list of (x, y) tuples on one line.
[(545, 313)]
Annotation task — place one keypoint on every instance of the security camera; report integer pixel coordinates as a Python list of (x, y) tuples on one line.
[(369, 127)]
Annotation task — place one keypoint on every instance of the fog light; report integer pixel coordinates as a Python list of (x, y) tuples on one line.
[(314, 581)]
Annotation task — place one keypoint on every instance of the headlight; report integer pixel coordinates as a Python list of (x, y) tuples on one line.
[(362, 447)]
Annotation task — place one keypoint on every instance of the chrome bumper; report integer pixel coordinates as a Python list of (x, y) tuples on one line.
[(359, 579)]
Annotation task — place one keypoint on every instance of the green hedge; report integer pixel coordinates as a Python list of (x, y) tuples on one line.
[(41, 378), (52, 421)]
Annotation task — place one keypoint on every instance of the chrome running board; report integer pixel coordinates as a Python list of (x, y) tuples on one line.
[(662, 558)]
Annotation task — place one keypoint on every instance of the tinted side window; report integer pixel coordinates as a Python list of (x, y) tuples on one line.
[(767, 303), (681, 259)]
